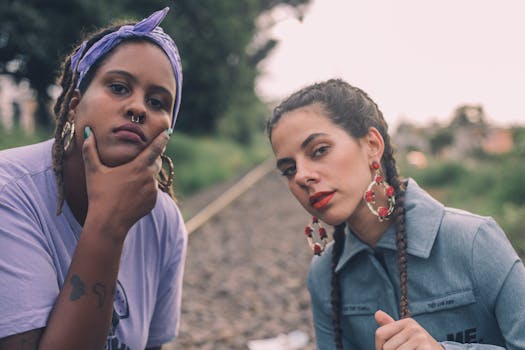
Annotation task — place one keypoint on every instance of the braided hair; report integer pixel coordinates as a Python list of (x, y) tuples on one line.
[(68, 81), (354, 111)]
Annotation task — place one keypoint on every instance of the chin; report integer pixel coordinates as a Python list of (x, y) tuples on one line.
[(330, 219), (113, 160)]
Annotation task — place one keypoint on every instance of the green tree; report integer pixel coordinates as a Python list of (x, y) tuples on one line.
[(35, 34), (215, 39)]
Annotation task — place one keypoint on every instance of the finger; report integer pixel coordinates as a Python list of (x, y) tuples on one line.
[(400, 340), (150, 154), (384, 332), (157, 165), (89, 151), (382, 318)]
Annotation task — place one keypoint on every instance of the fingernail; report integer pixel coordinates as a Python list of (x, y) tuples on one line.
[(169, 131), (87, 132)]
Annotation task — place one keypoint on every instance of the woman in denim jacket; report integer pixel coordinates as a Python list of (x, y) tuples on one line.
[(404, 271)]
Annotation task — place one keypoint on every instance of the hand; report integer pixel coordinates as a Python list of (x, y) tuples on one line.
[(123, 194), (405, 334)]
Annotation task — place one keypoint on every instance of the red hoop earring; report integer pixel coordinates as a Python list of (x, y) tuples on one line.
[(382, 212), (317, 247)]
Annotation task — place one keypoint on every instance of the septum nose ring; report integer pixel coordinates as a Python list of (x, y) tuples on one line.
[(136, 119)]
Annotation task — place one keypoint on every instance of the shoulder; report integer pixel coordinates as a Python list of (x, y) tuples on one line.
[(470, 230), (485, 249), (168, 220), (21, 162), (166, 210)]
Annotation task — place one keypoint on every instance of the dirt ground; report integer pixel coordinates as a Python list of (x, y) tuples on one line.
[(246, 269)]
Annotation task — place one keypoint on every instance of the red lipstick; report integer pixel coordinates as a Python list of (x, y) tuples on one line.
[(319, 200)]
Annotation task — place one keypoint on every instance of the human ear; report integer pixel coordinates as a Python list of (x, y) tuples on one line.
[(375, 144), (73, 103)]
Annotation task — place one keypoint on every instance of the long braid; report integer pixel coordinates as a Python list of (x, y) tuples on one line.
[(392, 177), (339, 239), (399, 217), (67, 82), (61, 111)]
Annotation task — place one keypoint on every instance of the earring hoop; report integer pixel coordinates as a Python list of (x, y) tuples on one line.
[(319, 246), (171, 174), (68, 132), (382, 212)]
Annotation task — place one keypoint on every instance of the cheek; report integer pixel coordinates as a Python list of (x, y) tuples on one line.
[(299, 194), (162, 123)]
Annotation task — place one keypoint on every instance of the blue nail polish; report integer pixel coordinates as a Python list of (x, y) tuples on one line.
[(87, 132)]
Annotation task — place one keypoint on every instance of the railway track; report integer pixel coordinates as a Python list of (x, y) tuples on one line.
[(246, 267)]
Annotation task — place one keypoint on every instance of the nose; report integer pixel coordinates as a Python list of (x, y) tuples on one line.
[(306, 175), (136, 110)]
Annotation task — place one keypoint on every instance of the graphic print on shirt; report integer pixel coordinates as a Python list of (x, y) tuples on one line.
[(467, 336), (120, 312)]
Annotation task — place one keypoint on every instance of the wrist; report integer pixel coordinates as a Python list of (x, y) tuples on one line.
[(106, 226)]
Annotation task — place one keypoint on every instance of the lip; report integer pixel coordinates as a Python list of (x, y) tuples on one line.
[(320, 200), (130, 132)]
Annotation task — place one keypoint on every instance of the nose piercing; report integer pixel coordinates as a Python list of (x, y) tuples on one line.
[(136, 119)]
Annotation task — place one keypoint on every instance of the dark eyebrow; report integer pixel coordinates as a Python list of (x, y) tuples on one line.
[(122, 72), (311, 138), (304, 144)]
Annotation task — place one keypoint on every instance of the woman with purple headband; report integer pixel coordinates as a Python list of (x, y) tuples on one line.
[(92, 244)]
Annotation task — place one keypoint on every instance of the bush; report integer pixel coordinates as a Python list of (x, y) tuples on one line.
[(440, 174), (202, 161)]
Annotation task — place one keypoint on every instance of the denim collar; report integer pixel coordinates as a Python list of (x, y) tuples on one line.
[(423, 218)]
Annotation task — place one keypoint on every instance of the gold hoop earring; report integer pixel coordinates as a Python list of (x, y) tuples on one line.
[(68, 132), (169, 181)]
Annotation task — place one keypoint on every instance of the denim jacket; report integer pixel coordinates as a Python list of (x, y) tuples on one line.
[(466, 284)]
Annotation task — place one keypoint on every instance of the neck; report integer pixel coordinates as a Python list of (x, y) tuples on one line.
[(366, 225), (75, 191)]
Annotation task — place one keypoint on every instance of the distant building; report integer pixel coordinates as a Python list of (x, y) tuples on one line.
[(17, 105), (498, 141), (467, 133)]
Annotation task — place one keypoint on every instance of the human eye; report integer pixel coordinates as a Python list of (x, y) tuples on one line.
[(156, 103), (288, 171), (118, 88), (319, 151)]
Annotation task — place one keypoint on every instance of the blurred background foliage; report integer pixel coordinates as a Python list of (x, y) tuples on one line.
[(221, 122), (216, 40), (220, 129)]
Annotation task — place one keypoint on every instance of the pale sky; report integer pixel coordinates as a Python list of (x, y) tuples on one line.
[(417, 59)]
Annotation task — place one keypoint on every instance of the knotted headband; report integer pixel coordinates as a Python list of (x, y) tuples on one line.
[(149, 28)]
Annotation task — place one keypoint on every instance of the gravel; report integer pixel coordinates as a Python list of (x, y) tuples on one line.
[(246, 269)]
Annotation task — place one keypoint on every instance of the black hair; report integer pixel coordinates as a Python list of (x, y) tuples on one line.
[(353, 110)]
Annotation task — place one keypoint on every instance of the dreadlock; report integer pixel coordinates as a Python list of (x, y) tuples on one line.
[(353, 110), (68, 81)]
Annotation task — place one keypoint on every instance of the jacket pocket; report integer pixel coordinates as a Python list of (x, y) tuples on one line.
[(449, 301)]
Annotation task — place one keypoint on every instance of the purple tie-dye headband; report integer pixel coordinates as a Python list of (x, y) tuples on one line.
[(149, 28)]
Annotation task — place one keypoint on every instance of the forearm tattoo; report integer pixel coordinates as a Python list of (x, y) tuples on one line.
[(78, 288), (100, 290)]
